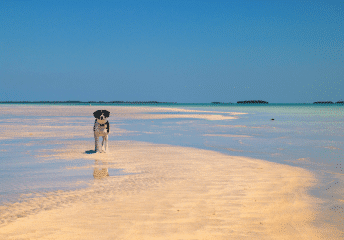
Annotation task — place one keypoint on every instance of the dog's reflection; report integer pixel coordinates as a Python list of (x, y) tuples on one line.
[(100, 172)]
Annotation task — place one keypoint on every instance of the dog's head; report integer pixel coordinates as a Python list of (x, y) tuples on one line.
[(101, 116)]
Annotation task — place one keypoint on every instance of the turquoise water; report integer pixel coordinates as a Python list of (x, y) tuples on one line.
[(303, 135), (311, 133)]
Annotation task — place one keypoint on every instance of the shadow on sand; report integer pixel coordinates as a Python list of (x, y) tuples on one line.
[(90, 152)]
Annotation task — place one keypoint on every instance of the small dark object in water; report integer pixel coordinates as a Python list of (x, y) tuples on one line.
[(272, 119)]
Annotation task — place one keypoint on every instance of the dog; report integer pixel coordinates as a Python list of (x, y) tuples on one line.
[(101, 128)]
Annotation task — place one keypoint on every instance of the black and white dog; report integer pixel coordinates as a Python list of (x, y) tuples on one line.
[(101, 128)]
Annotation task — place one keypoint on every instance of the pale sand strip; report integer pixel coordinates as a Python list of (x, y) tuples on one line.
[(225, 135), (177, 193), (80, 110), (198, 116), (52, 132)]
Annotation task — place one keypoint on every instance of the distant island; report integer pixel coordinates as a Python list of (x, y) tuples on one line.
[(325, 102), (328, 102), (252, 102)]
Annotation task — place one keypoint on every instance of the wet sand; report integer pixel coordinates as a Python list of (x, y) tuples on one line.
[(170, 192)]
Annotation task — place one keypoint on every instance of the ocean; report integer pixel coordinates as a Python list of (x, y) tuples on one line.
[(302, 135)]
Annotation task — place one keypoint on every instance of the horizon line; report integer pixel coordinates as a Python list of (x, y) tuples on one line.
[(256, 102)]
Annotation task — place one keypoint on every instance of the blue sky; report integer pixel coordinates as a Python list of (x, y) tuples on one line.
[(174, 51)]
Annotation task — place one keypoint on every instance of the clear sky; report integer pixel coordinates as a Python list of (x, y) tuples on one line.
[(183, 51)]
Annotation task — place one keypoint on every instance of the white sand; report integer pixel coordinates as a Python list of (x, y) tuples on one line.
[(176, 193)]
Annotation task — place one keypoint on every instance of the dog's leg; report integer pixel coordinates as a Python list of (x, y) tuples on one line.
[(96, 141), (103, 145), (106, 143)]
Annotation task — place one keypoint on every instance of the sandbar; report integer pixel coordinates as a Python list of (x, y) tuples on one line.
[(173, 193)]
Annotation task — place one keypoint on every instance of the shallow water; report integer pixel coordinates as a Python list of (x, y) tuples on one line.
[(23, 172)]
